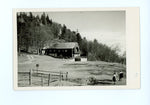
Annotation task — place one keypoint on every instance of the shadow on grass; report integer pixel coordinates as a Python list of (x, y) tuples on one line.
[(102, 82)]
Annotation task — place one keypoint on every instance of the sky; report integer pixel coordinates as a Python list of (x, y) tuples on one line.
[(108, 27)]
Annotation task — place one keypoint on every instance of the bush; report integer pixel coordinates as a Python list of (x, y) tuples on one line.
[(91, 57), (92, 81)]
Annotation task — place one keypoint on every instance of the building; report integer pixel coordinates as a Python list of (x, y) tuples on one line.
[(63, 50)]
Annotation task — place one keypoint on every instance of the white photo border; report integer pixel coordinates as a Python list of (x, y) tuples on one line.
[(132, 47)]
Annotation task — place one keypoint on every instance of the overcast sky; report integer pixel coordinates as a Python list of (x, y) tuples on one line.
[(108, 27)]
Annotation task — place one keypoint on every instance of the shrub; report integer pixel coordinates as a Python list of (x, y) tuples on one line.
[(91, 57), (92, 81)]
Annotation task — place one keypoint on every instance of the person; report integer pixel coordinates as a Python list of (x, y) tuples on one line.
[(120, 75), (114, 79)]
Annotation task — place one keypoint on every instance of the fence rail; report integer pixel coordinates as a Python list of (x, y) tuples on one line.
[(40, 77), (44, 71)]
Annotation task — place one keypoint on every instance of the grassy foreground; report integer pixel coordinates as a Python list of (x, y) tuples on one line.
[(79, 73)]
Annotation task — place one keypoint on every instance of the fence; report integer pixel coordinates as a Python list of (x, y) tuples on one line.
[(40, 77)]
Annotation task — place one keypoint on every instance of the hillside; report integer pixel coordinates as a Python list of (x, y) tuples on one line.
[(78, 72), (34, 33)]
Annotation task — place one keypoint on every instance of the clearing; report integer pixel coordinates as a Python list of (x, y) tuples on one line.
[(78, 72)]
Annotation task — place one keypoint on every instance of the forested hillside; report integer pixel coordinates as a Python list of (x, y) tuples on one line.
[(35, 32)]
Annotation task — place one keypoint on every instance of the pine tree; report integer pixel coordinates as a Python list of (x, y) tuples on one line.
[(63, 32), (43, 19), (79, 40), (49, 22)]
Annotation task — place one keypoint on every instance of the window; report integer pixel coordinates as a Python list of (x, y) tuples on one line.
[(65, 50)]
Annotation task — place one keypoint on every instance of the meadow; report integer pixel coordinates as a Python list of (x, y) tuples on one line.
[(97, 73)]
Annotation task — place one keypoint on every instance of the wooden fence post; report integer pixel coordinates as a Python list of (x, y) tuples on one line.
[(60, 77), (37, 66), (66, 76), (49, 76), (41, 80), (30, 77)]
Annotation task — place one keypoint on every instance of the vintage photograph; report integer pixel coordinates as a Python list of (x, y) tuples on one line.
[(71, 48)]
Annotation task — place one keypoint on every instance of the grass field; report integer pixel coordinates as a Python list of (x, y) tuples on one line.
[(78, 72)]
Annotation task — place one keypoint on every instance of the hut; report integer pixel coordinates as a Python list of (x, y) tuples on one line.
[(63, 50)]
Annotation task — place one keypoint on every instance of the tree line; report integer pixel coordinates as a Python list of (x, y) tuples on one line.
[(35, 32)]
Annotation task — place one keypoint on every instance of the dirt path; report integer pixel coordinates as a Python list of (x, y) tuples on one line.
[(29, 60)]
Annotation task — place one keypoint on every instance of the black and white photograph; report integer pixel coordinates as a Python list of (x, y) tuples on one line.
[(71, 48), (78, 48)]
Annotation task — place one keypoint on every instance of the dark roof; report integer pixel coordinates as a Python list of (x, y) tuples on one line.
[(66, 45)]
